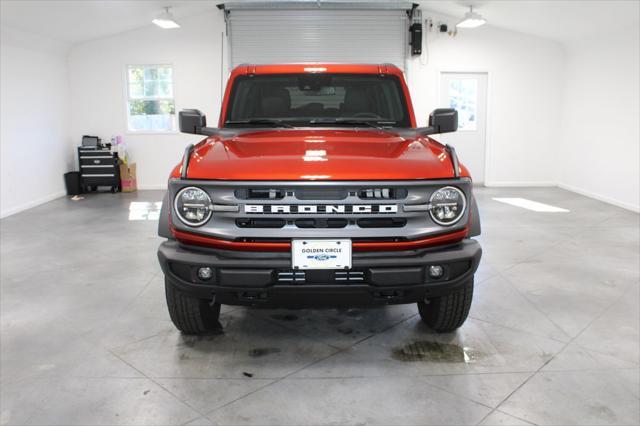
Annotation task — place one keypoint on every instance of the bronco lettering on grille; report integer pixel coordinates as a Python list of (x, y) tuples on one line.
[(320, 209)]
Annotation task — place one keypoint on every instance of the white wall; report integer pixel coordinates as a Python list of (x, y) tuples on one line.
[(601, 124), (34, 135), (524, 95), (97, 75), (563, 115)]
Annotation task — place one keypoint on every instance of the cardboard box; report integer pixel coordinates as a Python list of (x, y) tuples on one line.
[(128, 177)]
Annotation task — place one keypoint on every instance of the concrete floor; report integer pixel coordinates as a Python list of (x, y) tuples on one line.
[(552, 336)]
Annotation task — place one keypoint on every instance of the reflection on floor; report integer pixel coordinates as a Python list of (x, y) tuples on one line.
[(531, 205), (144, 210), (552, 338)]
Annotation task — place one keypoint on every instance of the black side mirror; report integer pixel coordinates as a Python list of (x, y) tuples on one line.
[(444, 120), (192, 121)]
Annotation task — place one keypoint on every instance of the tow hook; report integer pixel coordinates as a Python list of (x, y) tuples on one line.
[(252, 296), (390, 294)]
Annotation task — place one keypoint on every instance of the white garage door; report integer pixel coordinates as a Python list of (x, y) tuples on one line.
[(318, 35)]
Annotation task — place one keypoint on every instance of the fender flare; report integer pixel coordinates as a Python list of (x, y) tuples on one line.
[(163, 221), (476, 229)]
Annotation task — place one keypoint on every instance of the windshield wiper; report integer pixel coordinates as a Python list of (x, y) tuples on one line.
[(355, 122), (257, 121)]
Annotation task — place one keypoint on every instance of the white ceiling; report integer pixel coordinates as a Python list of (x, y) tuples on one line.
[(76, 21), (560, 20)]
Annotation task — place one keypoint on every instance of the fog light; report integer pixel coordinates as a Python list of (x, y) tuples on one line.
[(205, 273), (436, 271)]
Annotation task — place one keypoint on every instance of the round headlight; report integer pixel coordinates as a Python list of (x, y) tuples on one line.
[(192, 206), (447, 205)]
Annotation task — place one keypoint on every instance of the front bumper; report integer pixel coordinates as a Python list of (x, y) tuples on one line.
[(266, 279)]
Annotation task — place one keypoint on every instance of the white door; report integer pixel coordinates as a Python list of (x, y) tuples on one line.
[(467, 93)]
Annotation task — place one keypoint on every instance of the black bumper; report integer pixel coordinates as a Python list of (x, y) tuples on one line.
[(266, 279)]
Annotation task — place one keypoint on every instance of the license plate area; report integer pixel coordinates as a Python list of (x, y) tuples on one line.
[(321, 254)]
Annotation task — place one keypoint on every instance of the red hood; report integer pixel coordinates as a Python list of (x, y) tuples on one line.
[(319, 154)]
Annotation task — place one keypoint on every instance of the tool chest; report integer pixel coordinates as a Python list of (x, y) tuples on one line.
[(98, 167)]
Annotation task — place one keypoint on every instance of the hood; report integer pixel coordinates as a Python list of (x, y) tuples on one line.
[(319, 154)]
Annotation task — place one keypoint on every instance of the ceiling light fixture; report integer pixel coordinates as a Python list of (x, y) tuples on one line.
[(471, 20), (165, 20)]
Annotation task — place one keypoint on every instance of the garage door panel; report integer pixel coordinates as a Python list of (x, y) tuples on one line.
[(286, 36)]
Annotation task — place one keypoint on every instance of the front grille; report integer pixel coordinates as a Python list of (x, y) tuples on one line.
[(386, 222), (357, 210), (291, 276), (260, 194), (382, 193), (321, 223), (320, 276), (260, 223), (321, 194), (319, 209), (349, 276)]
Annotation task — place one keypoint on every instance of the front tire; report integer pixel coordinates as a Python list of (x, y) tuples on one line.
[(447, 313), (191, 315)]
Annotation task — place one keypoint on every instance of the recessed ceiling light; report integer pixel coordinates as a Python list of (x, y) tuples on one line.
[(471, 20), (165, 20)]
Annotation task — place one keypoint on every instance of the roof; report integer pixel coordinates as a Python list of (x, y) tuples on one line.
[(315, 68)]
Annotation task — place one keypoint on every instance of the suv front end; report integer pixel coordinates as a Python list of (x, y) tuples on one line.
[(335, 209)]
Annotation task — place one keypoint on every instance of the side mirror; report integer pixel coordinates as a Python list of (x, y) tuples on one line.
[(192, 121), (443, 120)]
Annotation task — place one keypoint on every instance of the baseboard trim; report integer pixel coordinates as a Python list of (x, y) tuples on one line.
[(617, 203), (152, 187), (31, 204)]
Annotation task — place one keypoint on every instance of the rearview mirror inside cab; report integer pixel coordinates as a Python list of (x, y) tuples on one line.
[(444, 120)]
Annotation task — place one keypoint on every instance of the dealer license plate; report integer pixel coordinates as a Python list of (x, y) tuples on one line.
[(321, 254)]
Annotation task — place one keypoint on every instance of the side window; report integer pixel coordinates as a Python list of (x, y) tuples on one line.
[(150, 103)]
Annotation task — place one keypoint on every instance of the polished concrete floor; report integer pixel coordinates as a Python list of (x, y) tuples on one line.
[(552, 336)]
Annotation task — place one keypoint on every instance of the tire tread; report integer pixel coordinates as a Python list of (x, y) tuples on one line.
[(191, 315), (449, 312)]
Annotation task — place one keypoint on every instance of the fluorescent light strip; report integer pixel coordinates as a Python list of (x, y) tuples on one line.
[(166, 24), (532, 205)]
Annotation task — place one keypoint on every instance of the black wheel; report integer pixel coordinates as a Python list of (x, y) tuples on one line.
[(189, 314), (446, 313)]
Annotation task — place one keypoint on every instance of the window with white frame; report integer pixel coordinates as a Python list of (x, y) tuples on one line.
[(150, 104)]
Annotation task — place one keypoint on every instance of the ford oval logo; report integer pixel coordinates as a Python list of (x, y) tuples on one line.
[(321, 257)]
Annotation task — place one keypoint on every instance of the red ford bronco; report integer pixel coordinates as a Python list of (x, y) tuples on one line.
[(317, 189)]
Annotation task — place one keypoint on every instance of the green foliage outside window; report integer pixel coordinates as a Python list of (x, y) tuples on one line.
[(150, 104)]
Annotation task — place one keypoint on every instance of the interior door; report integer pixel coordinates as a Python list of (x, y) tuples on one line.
[(467, 93)]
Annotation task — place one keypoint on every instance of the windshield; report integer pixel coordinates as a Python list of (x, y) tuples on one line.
[(285, 100)]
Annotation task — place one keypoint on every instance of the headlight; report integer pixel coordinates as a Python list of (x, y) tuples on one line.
[(192, 206), (447, 205)]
